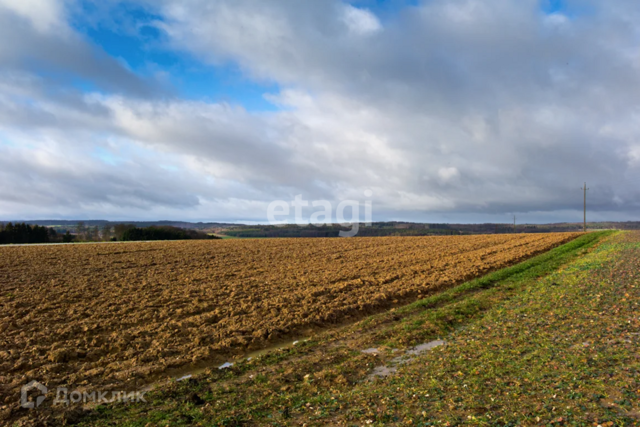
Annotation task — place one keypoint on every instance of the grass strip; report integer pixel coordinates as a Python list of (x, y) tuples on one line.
[(533, 268)]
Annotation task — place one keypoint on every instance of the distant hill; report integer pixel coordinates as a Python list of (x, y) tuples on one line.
[(101, 223), (386, 228), (395, 228)]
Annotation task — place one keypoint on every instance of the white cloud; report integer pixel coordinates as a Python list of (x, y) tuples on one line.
[(45, 15), (557, 20), (634, 155), (360, 21), (525, 114), (447, 175)]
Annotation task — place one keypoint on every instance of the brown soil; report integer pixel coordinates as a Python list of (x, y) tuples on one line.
[(108, 315)]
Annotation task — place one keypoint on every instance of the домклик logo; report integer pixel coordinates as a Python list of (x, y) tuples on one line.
[(24, 394)]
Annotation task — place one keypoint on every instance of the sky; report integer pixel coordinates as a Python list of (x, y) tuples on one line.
[(211, 110)]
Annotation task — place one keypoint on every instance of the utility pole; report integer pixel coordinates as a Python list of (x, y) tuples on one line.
[(585, 189)]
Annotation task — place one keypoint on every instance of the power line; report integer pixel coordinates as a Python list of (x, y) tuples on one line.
[(585, 189)]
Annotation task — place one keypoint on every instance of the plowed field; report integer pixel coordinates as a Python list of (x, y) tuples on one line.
[(107, 314)]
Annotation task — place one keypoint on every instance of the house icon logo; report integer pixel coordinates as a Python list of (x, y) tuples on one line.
[(24, 394)]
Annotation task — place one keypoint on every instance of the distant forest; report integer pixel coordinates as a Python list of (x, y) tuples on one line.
[(129, 232), (22, 233)]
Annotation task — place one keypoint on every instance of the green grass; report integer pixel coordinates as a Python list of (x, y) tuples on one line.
[(563, 351), (500, 367), (534, 268)]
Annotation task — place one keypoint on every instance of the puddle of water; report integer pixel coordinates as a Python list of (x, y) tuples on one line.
[(186, 377), (385, 371), (225, 365), (382, 371), (419, 349), (371, 351)]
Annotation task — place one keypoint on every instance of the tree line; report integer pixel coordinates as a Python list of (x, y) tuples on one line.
[(21, 233), (24, 233), (129, 232)]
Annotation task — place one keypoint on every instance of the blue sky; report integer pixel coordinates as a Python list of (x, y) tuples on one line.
[(553, 6), (143, 47), (468, 110)]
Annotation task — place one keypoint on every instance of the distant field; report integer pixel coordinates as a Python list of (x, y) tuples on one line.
[(114, 314)]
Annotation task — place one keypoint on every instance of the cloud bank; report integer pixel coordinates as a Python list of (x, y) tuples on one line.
[(465, 110)]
